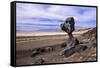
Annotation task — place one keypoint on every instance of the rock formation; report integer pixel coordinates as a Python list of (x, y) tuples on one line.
[(69, 26)]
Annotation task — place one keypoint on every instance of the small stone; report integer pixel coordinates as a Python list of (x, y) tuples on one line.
[(39, 61), (41, 50), (34, 53), (49, 49)]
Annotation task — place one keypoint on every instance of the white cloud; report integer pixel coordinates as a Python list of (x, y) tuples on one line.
[(54, 12)]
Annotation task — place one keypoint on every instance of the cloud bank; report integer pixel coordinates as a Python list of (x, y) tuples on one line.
[(38, 17)]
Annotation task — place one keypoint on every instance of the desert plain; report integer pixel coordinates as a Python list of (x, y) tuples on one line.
[(33, 48)]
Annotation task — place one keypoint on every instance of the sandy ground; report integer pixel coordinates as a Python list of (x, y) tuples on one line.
[(47, 33), (50, 45)]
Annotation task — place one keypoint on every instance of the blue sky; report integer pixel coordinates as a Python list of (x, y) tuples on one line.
[(39, 17)]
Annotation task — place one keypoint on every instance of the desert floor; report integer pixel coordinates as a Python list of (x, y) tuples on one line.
[(39, 48)]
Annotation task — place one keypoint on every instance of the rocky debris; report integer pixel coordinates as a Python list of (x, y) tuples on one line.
[(85, 50), (39, 61), (71, 51), (70, 46), (37, 51), (91, 34), (49, 49), (81, 48), (84, 42), (76, 41), (41, 50), (34, 53), (94, 44), (89, 54), (89, 38)]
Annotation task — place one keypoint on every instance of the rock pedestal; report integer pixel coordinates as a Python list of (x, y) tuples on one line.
[(69, 26)]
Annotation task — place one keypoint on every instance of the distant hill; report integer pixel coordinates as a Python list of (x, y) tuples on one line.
[(91, 33)]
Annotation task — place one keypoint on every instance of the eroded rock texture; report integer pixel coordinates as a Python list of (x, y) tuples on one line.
[(69, 26)]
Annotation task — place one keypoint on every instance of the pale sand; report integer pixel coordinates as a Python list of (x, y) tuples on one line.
[(46, 33)]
